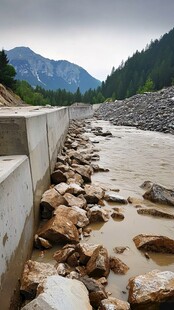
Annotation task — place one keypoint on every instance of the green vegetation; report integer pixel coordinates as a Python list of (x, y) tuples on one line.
[(7, 72), (40, 96), (148, 70)]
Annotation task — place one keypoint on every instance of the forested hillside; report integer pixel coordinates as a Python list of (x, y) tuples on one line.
[(150, 69)]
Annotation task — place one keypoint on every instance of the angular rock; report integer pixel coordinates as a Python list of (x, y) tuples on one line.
[(95, 289), (62, 167), (97, 168), (113, 197), (41, 243), (85, 172), (59, 230), (93, 193), (62, 255), (102, 281), (61, 188), (86, 250), (120, 249), (33, 274), (154, 243), (151, 288), (51, 199), (58, 176), (98, 264), (61, 269), (57, 293), (117, 215), (97, 214), (79, 158), (75, 189), (114, 304), (73, 260), (62, 159), (72, 201), (160, 194), (76, 215), (117, 266), (156, 213)]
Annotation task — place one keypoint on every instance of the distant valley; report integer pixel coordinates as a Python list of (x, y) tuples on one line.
[(49, 74)]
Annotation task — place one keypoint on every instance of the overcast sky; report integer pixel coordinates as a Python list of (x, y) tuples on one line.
[(95, 34)]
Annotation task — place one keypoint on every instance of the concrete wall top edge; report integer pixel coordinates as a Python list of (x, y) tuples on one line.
[(27, 111), (9, 163)]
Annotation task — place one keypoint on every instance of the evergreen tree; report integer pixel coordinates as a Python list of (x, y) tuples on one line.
[(7, 72)]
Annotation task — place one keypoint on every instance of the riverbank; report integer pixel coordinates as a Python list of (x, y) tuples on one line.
[(129, 157), (150, 111)]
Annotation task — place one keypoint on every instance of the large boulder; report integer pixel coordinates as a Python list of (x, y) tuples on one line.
[(50, 200), (112, 303), (154, 243), (57, 293), (75, 214), (59, 230), (93, 193), (34, 273), (160, 194), (151, 288), (98, 264)]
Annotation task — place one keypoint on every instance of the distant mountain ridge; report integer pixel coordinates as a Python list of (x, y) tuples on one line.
[(49, 74)]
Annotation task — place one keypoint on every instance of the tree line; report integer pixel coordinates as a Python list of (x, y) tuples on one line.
[(148, 70)]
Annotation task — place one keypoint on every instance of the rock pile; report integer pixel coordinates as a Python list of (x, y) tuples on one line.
[(77, 279), (67, 207), (149, 111)]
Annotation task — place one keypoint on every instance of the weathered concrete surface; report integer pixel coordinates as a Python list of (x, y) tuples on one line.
[(37, 132), (16, 222), (80, 112)]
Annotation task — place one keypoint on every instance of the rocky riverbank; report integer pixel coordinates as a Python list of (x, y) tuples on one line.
[(78, 277), (150, 111)]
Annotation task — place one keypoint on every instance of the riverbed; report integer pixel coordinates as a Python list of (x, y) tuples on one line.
[(132, 156)]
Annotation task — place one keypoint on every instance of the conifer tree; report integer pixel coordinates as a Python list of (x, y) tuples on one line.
[(7, 72)]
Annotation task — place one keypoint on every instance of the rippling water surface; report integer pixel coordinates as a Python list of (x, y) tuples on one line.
[(134, 156)]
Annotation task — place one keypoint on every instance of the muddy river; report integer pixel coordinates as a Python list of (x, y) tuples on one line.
[(133, 156)]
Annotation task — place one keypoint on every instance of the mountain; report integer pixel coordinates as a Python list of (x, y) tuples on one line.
[(49, 74), (150, 69)]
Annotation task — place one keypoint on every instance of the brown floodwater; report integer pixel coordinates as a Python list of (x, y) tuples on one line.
[(133, 156)]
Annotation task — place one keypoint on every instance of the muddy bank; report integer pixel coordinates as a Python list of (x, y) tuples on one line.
[(122, 169), (149, 111)]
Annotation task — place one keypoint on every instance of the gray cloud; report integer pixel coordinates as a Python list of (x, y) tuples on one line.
[(96, 34)]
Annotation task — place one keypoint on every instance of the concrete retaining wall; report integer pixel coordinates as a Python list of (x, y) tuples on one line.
[(80, 112), (30, 139), (16, 222)]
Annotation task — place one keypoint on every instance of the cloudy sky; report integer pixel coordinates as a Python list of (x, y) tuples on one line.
[(95, 34)]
